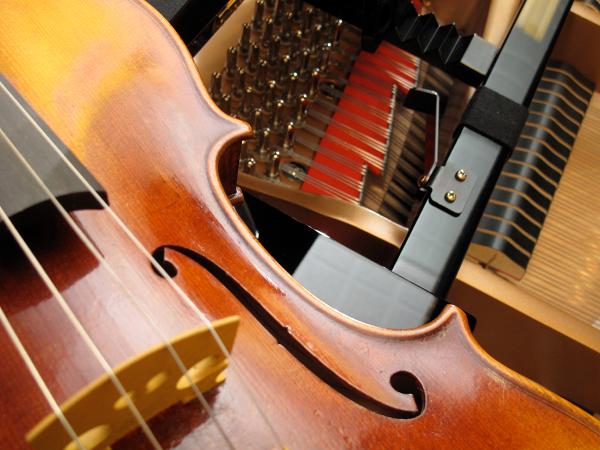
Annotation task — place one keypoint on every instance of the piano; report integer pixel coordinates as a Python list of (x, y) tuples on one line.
[(347, 132)]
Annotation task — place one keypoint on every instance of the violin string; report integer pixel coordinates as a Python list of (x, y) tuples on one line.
[(102, 260), (157, 266), (39, 380), (79, 327)]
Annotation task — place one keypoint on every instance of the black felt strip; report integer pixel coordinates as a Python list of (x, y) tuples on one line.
[(495, 117)]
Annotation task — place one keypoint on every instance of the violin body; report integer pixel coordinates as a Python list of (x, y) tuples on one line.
[(113, 81)]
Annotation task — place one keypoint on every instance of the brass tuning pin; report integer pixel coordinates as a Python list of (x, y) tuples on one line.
[(284, 69), (273, 55), (292, 91), (215, 86), (262, 146), (257, 120), (260, 80), (231, 66), (249, 166), (288, 138), (304, 67), (286, 27), (307, 20), (225, 104), (279, 12), (277, 120), (244, 46), (271, 96), (302, 109), (240, 84), (259, 12), (270, 4), (247, 103), (244, 150), (267, 34), (297, 10), (313, 88), (274, 163), (253, 59)]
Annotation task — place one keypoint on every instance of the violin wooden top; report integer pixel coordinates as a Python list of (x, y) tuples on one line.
[(116, 85)]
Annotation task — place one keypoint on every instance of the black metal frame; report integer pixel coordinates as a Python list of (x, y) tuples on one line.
[(437, 242)]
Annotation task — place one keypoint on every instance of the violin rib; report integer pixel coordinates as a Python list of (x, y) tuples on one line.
[(115, 84)]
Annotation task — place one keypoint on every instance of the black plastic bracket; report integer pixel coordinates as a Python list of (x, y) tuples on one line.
[(451, 188)]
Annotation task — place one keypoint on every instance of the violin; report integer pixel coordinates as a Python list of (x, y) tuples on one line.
[(138, 311)]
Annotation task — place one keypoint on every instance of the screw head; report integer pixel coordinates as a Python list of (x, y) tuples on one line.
[(460, 175), (450, 196)]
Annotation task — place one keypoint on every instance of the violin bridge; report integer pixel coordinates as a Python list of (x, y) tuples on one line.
[(154, 382)]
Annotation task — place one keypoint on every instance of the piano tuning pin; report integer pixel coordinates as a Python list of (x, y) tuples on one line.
[(244, 46), (215, 86), (315, 77), (257, 120), (325, 56), (253, 58), (279, 12), (304, 63), (274, 163), (289, 137), (337, 31), (297, 10), (307, 20), (244, 150), (259, 10), (260, 79), (296, 42), (286, 28), (271, 94), (302, 109), (262, 147), (269, 5), (292, 90), (249, 166), (247, 103), (315, 37), (284, 69), (225, 104), (267, 34), (274, 51), (277, 119), (231, 67), (240, 84)]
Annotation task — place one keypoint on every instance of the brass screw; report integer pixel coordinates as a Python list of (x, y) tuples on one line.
[(460, 175), (450, 196)]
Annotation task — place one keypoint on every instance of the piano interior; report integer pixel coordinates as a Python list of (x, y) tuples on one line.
[(344, 140)]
